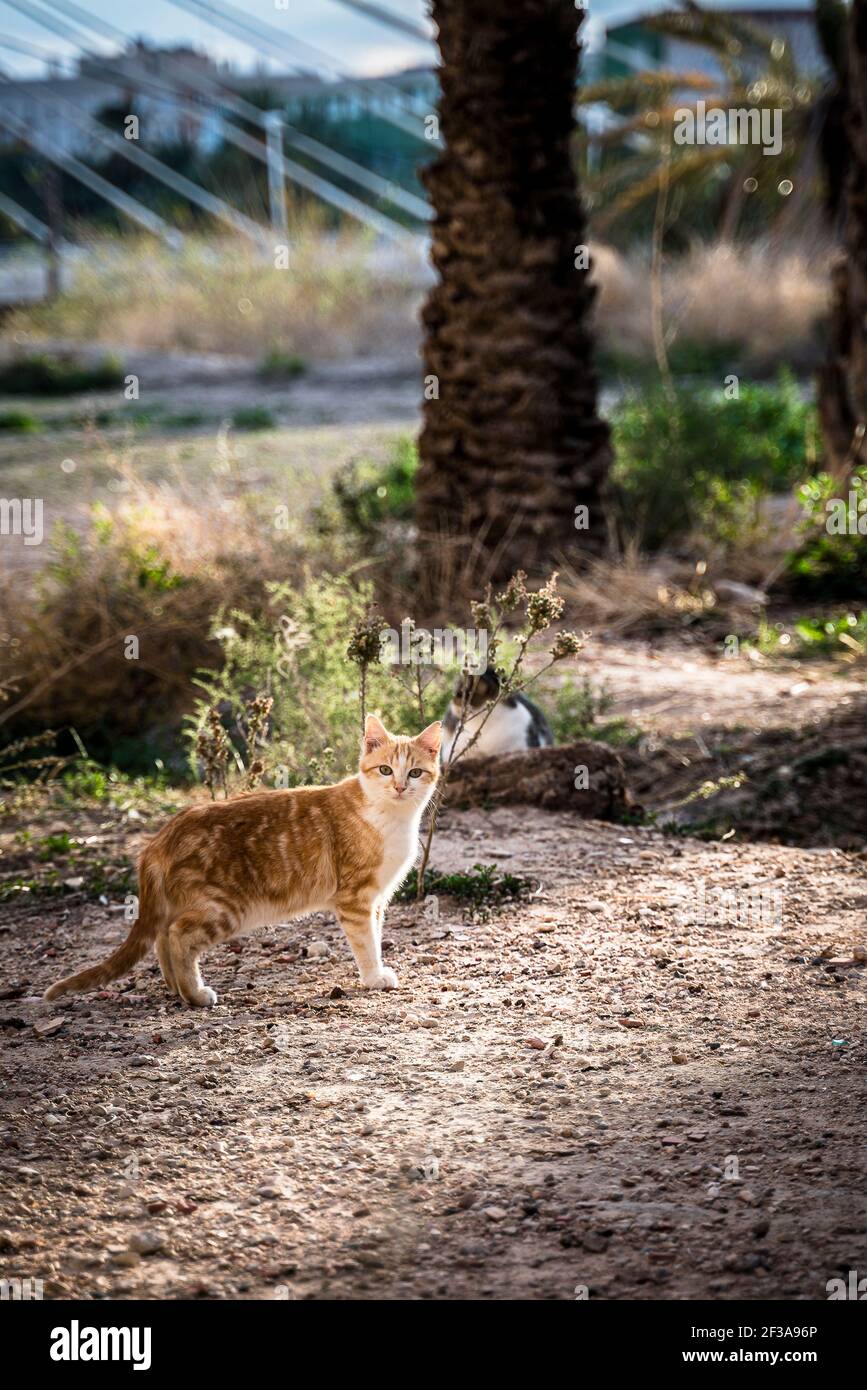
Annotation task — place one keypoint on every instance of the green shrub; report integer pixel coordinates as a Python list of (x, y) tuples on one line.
[(831, 564), (366, 495), (576, 710), (686, 357), (296, 653), (837, 635), (254, 417), (698, 463), (184, 420), (44, 375), (281, 366), (19, 422)]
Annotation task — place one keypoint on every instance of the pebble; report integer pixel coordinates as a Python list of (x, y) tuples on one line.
[(145, 1242), (46, 1028), (317, 950), (127, 1259)]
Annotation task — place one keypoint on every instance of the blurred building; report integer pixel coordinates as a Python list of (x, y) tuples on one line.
[(175, 92)]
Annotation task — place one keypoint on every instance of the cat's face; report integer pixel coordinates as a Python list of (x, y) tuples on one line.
[(396, 770), (473, 692)]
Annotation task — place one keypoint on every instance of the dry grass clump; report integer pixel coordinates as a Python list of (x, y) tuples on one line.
[(339, 296), (630, 594), (110, 633), (764, 299)]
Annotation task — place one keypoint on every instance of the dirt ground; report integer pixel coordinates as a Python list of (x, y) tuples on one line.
[(603, 1090), (592, 1091)]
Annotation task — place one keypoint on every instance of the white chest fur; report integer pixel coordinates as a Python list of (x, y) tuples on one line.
[(398, 827)]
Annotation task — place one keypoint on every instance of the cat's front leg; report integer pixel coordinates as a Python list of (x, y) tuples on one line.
[(362, 925)]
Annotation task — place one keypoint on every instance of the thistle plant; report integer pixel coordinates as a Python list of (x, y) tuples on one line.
[(364, 648), (212, 748), (255, 732), (542, 609)]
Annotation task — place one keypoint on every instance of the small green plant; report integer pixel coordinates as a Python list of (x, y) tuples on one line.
[(45, 375), (826, 636), (844, 634), (281, 366), (365, 495), (485, 890), (830, 560), (53, 845), (577, 709), (253, 417), (19, 422), (184, 420)]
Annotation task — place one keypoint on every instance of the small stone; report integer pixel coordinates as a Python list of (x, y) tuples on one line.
[(495, 1213), (146, 1242), (317, 950), (538, 1043), (859, 954), (127, 1259), (337, 993), (46, 1028)]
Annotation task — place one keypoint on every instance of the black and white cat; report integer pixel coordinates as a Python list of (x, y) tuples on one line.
[(513, 724)]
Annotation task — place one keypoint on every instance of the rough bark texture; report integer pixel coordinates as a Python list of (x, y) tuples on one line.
[(843, 379), (545, 777), (513, 444)]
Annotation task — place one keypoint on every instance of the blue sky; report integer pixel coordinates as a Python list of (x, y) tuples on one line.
[(355, 41)]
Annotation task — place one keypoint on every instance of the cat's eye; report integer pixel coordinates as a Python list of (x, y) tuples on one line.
[(415, 772), (386, 771)]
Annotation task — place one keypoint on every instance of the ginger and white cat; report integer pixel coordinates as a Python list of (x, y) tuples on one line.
[(218, 870)]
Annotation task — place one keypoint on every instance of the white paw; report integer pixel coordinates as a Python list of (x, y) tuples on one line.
[(206, 998), (381, 979)]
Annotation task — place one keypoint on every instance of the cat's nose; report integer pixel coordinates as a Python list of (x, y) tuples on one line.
[(400, 789)]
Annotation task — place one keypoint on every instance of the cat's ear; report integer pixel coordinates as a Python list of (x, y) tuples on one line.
[(429, 738), (375, 734)]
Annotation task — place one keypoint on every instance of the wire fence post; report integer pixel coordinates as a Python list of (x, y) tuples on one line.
[(276, 172)]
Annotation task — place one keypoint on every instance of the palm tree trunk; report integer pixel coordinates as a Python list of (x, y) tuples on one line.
[(511, 442), (843, 378)]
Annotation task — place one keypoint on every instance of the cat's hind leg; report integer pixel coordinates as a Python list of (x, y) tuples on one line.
[(362, 926), (188, 936), (164, 956)]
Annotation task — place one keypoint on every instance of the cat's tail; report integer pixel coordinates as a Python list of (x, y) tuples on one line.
[(137, 944)]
